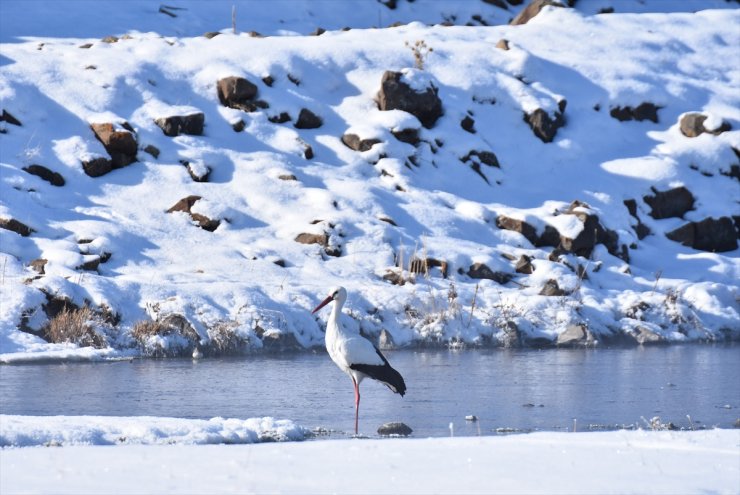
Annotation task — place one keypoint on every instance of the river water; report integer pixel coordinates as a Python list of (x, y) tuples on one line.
[(507, 390)]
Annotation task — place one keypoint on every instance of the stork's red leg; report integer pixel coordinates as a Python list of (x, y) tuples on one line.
[(357, 403)]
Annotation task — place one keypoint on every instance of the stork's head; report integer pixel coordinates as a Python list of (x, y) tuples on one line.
[(337, 294)]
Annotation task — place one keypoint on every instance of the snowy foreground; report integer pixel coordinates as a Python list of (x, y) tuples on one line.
[(444, 232), (610, 462)]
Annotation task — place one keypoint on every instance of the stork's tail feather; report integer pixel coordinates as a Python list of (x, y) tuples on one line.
[(385, 374)]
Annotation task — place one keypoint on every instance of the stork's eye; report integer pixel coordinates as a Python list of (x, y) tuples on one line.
[(334, 296)]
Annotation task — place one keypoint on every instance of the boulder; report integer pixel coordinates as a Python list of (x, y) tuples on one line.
[(175, 125), (89, 263), (482, 271), (575, 335), (353, 141), (236, 92), (671, 203), (14, 225), (512, 338), (120, 143), (551, 288), (39, 265), (186, 204), (531, 10), (524, 265), (320, 239), (410, 136), (394, 429), (395, 94), (644, 111), (276, 341), (53, 178), (482, 157), (96, 167), (543, 124), (516, 225), (308, 120), (468, 124), (152, 150), (280, 118), (645, 336), (692, 125), (713, 235)]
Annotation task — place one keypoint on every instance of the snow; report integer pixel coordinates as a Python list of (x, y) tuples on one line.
[(663, 52), (650, 462)]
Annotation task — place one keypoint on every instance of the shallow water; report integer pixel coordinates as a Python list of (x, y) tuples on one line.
[(520, 390)]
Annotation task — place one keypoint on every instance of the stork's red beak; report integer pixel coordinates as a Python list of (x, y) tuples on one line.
[(323, 303)]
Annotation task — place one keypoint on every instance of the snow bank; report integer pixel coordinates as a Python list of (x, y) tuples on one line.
[(574, 463), (26, 431)]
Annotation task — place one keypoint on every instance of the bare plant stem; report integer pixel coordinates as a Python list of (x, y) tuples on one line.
[(472, 305)]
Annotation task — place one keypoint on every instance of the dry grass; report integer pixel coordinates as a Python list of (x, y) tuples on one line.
[(144, 329), (225, 338), (76, 326)]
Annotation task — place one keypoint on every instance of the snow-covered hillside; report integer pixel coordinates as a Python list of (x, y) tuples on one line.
[(572, 180)]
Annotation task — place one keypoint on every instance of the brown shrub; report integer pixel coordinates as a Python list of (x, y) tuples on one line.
[(76, 326), (171, 336)]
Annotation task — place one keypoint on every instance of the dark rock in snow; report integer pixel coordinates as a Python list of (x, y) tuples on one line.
[(175, 125), (185, 205), (641, 229), (152, 150), (354, 142), (96, 167), (280, 118), (423, 266), (482, 271), (53, 178), (543, 125), (277, 341), (120, 144), (503, 44), (692, 125), (15, 226), (551, 288), (90, 263), (8, 117), (395, 94), (671, 203), (713, 235), (39, 265), (468, 124), (575, 335), (236, 92), (308, 120), (644, 111), (644, 336), (400, 429), (483, 157), (524, 265), (410, 136), (385, 341), (531, 10), (516, 225)]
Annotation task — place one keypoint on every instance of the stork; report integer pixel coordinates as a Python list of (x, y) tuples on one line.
[(354, 354)]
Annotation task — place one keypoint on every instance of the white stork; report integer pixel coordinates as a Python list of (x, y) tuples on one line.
[(354, 354)]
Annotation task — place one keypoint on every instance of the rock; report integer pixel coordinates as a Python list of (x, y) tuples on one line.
[(503, 44), (418, 265), (531, 10), (551, 288), (644, 336), (641, 229), (90, 263), (692, 125), (543, 125), (394, 429), (152, 150), (483, 157), (289, 177), (575, 335), (468, 124), (268, 80), (198, 171), (175, 125), (239, 125), (96, 167), (308, 120), (119, 143), (56, 304), (644, 111), (524, 265), (39, 265), (44, 173), (354, 142), (320, 239), (281, 118), (307, 151), (8, 117), (276, 341), (14, 225), (185, 205), (482, 271), (410, 136), (395, 94), (236, 92), (385, 341), (512, 338), (671, 203), (711, 235), (516, 225)]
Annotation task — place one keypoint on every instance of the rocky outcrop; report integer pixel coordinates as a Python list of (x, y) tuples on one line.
[(531, 10), (53, 178), (395, 94), (692, 125), (544, 125), (713, 235), (175, 125), (644, 111), (671, 203), (118, 141), (186, 204)]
